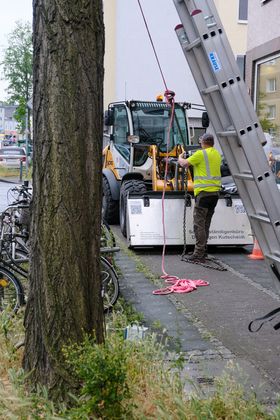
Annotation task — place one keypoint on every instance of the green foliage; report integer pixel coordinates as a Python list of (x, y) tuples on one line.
[(123, 315), (124, 379), (20, 114), (17, 66), (267, 125), (16, 404), (11, 334), (103, 372), (228, 402)]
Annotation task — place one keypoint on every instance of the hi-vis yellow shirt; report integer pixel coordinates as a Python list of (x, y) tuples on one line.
[(206, 170)]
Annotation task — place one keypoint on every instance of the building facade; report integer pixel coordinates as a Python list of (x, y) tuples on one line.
[(131, 70), (8, 124), (263, 63)]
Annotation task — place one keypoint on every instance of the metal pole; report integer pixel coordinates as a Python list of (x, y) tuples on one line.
[(26, 140), (20, 171)]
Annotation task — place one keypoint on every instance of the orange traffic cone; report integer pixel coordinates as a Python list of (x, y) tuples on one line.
[(257, 252)]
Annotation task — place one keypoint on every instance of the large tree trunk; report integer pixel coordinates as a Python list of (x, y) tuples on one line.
[(65, 299)]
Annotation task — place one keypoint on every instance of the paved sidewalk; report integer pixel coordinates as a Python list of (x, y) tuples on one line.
[(210, 323)]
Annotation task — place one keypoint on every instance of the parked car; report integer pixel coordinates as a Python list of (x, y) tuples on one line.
[(12, 156), (9, 141)]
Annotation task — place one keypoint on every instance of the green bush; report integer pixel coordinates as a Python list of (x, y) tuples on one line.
[(102, 370)]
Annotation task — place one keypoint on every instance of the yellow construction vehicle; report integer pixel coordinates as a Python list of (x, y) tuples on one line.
[(138, 146)]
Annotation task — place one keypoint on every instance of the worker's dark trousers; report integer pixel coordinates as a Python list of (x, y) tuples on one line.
[(205, 203)]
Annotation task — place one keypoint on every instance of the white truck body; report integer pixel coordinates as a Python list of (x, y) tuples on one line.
[(230, 224)]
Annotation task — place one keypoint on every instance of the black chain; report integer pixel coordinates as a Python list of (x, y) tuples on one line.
[(214, 264), (185, 212)]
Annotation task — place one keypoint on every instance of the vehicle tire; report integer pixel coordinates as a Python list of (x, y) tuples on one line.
[(109, 284), (110, 207), (131, 186), (11, 291)]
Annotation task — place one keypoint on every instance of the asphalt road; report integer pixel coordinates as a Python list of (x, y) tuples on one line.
[(4, 188)]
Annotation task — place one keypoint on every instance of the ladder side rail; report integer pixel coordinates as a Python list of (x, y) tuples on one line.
[(259, 167), (227, 77), (209, 9), (214, 23), (197, 62), (246, 131), (267, 243), (221, 119), (265, 189), (183, 13), (260, 151), (263, 231), (212, 103)]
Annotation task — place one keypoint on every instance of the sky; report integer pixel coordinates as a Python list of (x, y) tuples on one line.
[(11, 12)]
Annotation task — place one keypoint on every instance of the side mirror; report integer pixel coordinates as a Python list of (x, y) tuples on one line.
[(205, 120), (109, 117)]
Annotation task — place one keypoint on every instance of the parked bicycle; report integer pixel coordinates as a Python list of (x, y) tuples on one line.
[(14, 254)]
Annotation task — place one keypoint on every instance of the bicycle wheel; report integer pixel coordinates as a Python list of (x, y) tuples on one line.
[(11, 291), (110, 284)]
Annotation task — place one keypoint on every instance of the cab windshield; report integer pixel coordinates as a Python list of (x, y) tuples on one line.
[(151, 122)]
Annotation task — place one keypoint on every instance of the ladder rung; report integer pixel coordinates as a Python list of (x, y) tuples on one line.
[(245, 176), (210, 89), (226, 133), (190, 45), (261, 218)]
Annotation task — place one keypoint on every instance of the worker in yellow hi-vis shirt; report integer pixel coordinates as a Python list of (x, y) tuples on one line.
[(206, 165)]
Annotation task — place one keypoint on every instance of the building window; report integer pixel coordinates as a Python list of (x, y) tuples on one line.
[(243, 10), (240, 60), (271, 85), (271, 112), (270, 63), (267, 95)]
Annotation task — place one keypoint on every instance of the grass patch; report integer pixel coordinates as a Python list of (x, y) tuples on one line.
[(11, 334), (15, 173), (121, 379), (140, 266), (9, 172)]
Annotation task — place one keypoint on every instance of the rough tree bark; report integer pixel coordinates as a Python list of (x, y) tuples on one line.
[(64, 299)]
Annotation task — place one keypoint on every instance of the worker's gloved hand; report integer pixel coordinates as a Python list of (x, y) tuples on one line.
[(182, 160)]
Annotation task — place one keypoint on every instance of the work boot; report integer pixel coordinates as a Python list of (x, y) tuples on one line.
[(196, 258)]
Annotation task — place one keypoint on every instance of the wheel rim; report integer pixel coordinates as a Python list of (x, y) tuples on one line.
[(110, 289), (8, 294)]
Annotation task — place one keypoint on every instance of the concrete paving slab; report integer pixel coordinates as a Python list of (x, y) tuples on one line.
[(201, 378), (138, 290)]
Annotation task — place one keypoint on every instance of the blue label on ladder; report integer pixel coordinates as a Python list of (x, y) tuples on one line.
[(215, 63)]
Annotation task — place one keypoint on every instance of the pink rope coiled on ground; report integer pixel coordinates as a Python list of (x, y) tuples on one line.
[(179, 285)]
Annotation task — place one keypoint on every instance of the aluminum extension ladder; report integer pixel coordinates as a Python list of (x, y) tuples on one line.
[(231, 112)]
